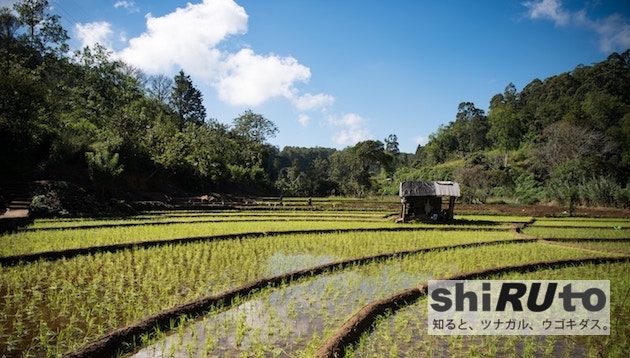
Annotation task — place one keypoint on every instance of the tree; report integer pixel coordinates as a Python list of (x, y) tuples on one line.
[(160, 88), (505, 127), (392, 151), (440, 146), (470, 128), (9, 25), (565, 142), (347, 170), (44, 32), (23, 105), (254, 127), (187, 101), (391, 145), (103, 168)]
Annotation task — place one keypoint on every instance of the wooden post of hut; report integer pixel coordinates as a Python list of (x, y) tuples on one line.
[(423, 200)]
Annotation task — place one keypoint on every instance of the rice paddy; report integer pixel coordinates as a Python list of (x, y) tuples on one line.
[(56, 305)]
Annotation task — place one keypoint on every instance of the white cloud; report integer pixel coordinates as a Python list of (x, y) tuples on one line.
[(421, 140), (304, 119), (613, 31), (548, 9), (186, 38), (309, 101), (251, 79), (94, 32), (349, 129), (129, 5)]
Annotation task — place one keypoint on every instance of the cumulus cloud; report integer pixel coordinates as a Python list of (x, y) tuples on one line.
[(94, 32), (349, 129), (129, 5), (311, 101), (549, 10), (613, 31), (251, 79), (189, 38), (186, 38)]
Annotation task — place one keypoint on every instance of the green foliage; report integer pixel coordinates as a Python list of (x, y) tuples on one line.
[(187, 101), (103, 168), (528, 190), (304, 171), (603, 191), (55, 109), (565, 193), (64, 199), (563, 131), (43, 32), (254, 127)]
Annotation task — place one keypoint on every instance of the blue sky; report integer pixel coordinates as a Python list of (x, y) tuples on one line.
[(332, 73)]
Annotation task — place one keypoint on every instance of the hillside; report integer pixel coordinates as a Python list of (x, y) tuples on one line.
[(98, 123)]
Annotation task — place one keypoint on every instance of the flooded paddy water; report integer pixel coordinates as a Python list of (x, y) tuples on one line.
[(288, 319)]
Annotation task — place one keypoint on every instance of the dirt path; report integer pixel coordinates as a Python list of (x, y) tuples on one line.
[(19, 213)]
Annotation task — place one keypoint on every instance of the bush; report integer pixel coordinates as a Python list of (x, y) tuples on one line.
[(528, 190), (64, 199), (603, 191)]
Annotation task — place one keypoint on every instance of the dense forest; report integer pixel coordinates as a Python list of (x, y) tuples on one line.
[(90, 119)]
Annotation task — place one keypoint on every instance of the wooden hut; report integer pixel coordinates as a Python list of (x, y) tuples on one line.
[(428, 200)]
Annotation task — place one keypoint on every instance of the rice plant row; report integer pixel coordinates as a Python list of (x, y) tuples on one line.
[(51, 308), (203, 217), (78, 299), (297, 319), (405, 333), (29, 242)]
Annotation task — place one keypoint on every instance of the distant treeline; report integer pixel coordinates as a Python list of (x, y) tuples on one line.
[(96, 121)]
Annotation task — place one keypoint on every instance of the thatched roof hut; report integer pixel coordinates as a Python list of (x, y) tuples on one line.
[(425, 199)]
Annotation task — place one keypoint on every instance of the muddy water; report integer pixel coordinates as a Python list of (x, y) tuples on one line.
[(283, 321)]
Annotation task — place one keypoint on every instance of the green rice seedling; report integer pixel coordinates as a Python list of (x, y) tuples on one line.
[(583, 222), (101, 291), (576, 233), (326, 301), (413, 319), (207, 218), (33, 242), (494, 218), (615, 246), (79, 299)]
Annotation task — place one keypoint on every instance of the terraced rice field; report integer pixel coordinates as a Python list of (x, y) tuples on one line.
[(284, 282)]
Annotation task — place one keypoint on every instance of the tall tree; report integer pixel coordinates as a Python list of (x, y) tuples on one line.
[(470, 128), (160, 88), (44, 32), (391, 145), (9, 25), (505, 127), (187, 101), (254, 127)]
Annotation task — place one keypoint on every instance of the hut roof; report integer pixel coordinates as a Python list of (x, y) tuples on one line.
[(429, 188)]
